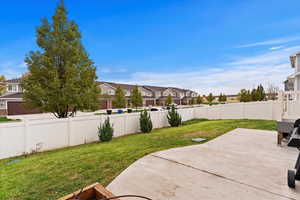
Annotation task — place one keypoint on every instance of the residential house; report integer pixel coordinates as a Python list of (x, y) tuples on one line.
[(12, 103), (152, 95)]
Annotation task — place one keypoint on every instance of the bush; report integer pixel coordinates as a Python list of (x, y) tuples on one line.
[(145, 122), (174, 118), (105, 131)]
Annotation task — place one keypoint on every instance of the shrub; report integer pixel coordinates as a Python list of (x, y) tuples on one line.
[(174, 118), (105, 131), (145, 122)]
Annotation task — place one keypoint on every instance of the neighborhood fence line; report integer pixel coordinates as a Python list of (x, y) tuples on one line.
[(18, 138)]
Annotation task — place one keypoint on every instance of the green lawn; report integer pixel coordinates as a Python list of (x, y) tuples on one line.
[(5, 119), (52, 174)]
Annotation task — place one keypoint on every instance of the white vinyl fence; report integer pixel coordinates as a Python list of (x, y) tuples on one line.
[(18, 138)]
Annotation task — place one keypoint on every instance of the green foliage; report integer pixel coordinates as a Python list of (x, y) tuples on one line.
[(261, 94), (222, 98), (136, 98), (174, 117), (145, 122), (2, 85), (61, 78), (169, 100), (245, 95), (199, 100), (119, 99), (210, 98), (105, 131), (257, 94)]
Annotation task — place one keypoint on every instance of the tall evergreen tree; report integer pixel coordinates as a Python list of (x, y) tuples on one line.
[(62, 77), (254, 95), (210, 98), (136, 98), (2, 85), (119, 99), (199, 100), (169, 100), (222, 98), (261, 94)]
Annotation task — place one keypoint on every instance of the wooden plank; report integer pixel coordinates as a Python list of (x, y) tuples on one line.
[(89, 193)]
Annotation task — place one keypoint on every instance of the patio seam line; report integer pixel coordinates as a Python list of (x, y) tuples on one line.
[(220, 176)]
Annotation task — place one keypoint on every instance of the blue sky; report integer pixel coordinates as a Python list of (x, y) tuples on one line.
[(208, 46)]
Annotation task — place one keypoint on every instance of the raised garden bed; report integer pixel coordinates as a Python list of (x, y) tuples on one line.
[(92, 192)]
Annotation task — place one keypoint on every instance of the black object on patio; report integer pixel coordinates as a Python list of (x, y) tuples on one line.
[(294, 141)]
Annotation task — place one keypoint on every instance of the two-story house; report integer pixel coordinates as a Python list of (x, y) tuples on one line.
[(292, 82), (11, 102)]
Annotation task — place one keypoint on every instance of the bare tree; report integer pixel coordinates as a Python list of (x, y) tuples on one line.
[(272, 92)]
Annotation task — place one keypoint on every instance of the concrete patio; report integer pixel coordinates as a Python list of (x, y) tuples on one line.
[(242, 164)]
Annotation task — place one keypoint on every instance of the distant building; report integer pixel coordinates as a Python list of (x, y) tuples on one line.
[(12, 103)]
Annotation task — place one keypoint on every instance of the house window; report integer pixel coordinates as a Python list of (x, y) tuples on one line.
[(12, 88), (2, 104)]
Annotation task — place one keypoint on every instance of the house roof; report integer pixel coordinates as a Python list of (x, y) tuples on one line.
[(115, 85), (15, 80), (12, 96)]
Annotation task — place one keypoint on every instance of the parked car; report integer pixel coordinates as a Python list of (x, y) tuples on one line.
[(120, 111)]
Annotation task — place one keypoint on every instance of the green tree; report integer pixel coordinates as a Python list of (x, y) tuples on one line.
[(61, 78), (2, 85), (174, 117), (245, 95), (145, 122), (254, 95), (105, 131), (199, 100), (210, 98), (119, 99), (169, 100), (222, 98), (136, 98), (261, 94)]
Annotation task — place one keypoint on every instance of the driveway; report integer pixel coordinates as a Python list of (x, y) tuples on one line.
[(242, 164)]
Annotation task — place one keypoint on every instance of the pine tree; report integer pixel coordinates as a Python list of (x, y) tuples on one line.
[(136, 98), (2, 85), (254, 95), (145, 122), (222, 98), (174, 117), (169, 100), (119, 99), (261, 94), (199, 100), (210, 98), (61, 78)]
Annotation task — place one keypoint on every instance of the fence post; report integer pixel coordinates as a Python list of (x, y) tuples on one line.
[(69, 127), (25, 136), (244, 114)]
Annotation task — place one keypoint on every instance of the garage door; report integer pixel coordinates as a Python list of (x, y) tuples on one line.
[(17, 108)]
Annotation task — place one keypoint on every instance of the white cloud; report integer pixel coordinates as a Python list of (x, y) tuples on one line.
[(12, 69), (271, 42), (276, 47), (272, 67), (112, 69)]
